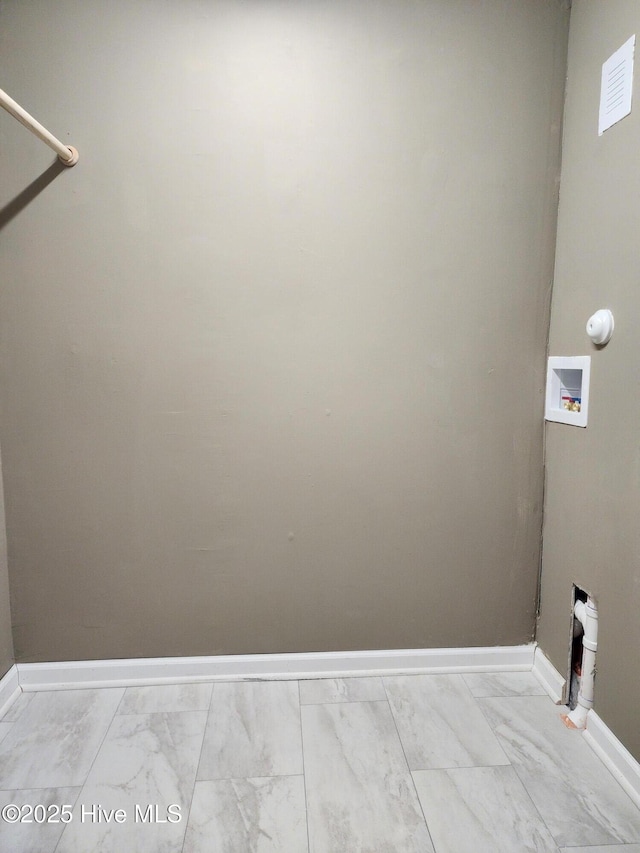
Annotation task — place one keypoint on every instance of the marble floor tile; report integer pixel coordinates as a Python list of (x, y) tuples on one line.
[(17, 707), (167, 698), (163, 746), (253, 730), (56, 738), (323, 690), (37, 836), (503, 684), (577, 797), (248, 816), (495, 771), (481, 810), (114, 819), (440, 724), (145, 760), (360, 794)]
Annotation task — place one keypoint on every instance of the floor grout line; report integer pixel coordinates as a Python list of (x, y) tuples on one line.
[(304, 774), (195, 779), (409, 770)]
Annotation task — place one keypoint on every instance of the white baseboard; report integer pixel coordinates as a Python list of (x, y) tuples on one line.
[(9, 689), (549, 677), (614, 755), (68, 675)]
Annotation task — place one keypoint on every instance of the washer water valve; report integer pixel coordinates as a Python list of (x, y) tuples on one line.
[(600, 326)]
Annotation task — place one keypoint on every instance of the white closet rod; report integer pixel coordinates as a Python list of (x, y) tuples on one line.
[(67, 154)]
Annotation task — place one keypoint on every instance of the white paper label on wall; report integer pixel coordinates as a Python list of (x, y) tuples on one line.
[(617, 83)]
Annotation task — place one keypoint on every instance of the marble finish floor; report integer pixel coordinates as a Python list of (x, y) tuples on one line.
[(402, 764)]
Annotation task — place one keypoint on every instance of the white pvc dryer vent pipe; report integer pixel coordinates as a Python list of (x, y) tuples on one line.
[(587, 614)]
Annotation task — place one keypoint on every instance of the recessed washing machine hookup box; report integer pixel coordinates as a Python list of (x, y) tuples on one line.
[(567, 400)]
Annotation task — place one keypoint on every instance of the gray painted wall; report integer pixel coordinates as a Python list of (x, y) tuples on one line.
[(6, 639), (591, 532), (272, 355)]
